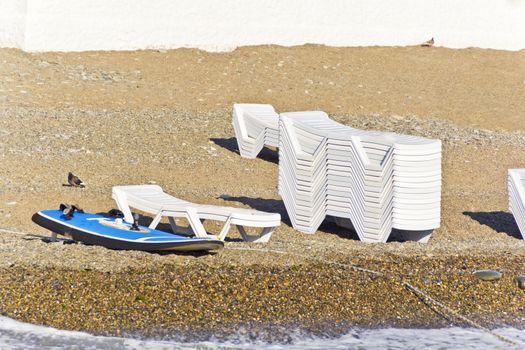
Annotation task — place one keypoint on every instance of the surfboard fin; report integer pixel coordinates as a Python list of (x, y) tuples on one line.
[(77, 208), (135, 224), (68, 210)]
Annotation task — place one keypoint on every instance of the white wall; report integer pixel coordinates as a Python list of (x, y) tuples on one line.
[(216, 25), (12, 23)]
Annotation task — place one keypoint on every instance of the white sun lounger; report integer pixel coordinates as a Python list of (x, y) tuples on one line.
[(256, 126), (153, 200), (516, 188), (373, 181)]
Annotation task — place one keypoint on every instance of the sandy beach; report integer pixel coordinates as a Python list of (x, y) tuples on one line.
[(164, 117)]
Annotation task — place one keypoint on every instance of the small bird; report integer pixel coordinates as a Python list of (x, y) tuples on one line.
[(428, 43), (74, 181)]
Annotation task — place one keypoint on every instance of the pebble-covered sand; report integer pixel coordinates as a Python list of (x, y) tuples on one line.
[(164, 117)]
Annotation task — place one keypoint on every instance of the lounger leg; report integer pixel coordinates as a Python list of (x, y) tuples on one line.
[(173, 224), (225, 228), (265, 235), (156, 220), (262, 238), (123, 205), (195, 223), (419, 236)]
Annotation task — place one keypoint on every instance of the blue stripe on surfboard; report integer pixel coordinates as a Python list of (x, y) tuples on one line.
[(90, 224)]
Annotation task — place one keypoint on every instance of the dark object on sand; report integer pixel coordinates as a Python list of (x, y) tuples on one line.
[(520, 281), (74, 181), (428, 43), (487, 275)]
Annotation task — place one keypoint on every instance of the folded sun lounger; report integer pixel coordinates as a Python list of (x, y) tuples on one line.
[(516, 189), (153, 200), (256, 126)]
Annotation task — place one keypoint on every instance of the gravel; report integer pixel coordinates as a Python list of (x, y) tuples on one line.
[(120, 118)]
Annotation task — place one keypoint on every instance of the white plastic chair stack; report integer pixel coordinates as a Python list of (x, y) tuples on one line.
[(256, 126), (373, 181), (516, 188), (302, 176)]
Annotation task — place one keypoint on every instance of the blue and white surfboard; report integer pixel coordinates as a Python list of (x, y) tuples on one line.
[(112, 233)]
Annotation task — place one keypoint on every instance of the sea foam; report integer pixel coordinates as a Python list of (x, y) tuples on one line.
[(19, 335)]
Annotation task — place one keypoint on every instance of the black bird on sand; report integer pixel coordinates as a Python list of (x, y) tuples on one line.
[(74, 181)]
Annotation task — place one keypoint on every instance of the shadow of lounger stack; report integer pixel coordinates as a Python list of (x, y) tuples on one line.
[(516, 188), (256, 126), (373, 181)]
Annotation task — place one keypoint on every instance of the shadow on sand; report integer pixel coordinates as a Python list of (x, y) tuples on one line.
[(230, 144), (328, 226), (499, 221), (262, 204)]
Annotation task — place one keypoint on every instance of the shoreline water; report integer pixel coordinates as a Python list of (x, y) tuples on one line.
[(14, 334)]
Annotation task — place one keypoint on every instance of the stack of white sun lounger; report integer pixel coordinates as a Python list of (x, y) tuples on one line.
[(516, 188), (256, 126), (374, 181)]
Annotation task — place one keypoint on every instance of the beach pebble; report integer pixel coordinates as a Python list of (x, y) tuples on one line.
[(520, 281), (487, 275)]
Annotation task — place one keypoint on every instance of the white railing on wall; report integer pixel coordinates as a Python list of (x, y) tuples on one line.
[(79, 25)]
